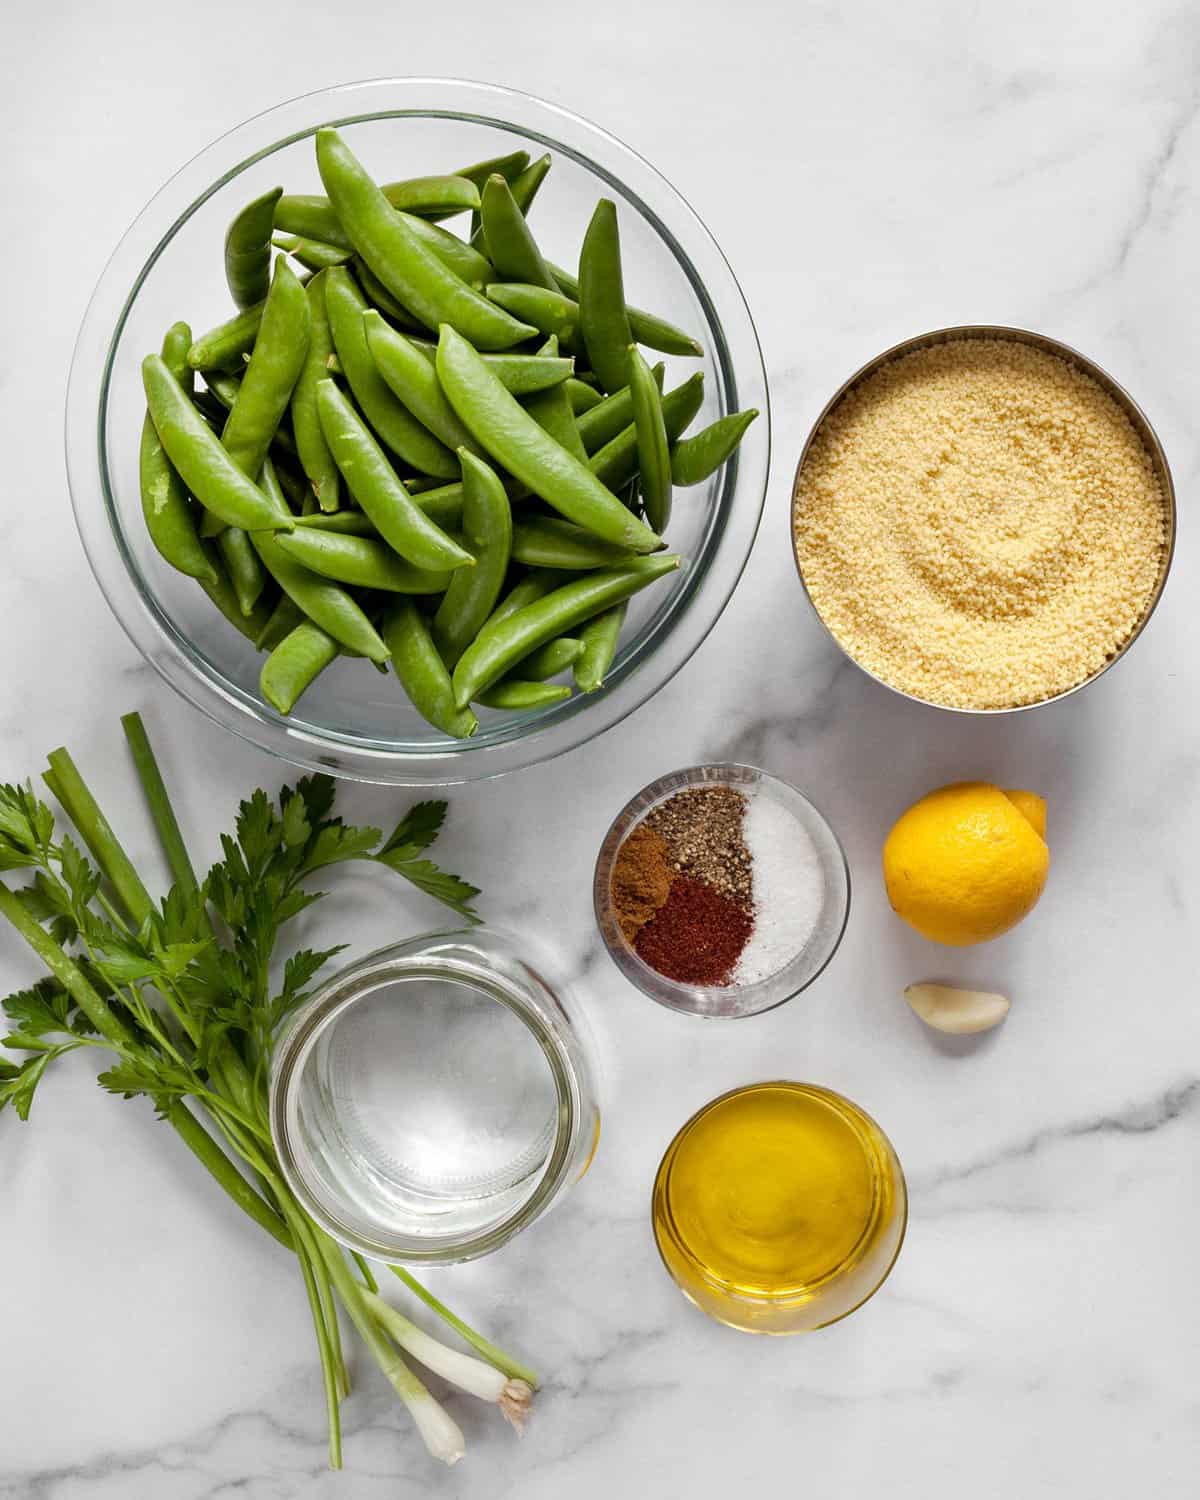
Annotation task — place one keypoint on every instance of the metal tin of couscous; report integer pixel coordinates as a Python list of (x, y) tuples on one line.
[(1123, 400)]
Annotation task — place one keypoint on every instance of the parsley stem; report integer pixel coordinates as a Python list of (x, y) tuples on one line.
[(81, 807), (159, 803)]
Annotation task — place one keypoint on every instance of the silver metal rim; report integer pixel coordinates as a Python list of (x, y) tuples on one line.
[(1141, 425)]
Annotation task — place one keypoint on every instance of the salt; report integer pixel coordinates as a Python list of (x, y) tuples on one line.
[(788, 892)]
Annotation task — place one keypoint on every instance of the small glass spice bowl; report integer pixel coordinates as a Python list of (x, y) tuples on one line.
[(735, 999), (435, 1098)]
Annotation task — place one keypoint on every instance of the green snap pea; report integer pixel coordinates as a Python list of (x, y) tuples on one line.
[(224, 387), (694, 459), (498, 647), (362, 562), (394, 423), (340, 523), (547, 542), (542, 310), (417, 662), (314, 451), (534, 586), (510, 166), (549, 660), (510, 435), (221, 348), (396, 254), (282, 621), (522, 374), (611, 417), (314, 254), (443, 506), (603, 323), (326, 604), (583, 398), (551, 410), (433, 197), (242, 567), (653, 332), (487, 532), (221, 594), (168, 513), (413, 381), (512, 249), (653, 445), (275, 365), (397, 516), (616, 463), (515, 696), (600, 637), (206, 469), (295, 664), (248, 249), (379, 297), (525, 186)]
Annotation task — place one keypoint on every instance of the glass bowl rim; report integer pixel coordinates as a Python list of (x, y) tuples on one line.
[(402, 962), (649, 981), (670, 637)]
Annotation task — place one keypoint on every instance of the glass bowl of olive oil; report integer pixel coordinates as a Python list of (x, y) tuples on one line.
[(779, 1208)]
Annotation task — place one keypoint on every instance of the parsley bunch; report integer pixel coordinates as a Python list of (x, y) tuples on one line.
[(181, 993)]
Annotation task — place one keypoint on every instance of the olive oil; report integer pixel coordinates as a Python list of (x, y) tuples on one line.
[(779, 1207)]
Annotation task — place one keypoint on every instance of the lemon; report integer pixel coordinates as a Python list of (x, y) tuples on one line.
[(967, 862)]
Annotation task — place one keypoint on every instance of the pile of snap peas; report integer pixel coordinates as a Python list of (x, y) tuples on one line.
[(434, 451)]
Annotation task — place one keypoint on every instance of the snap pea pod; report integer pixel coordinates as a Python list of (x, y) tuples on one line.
[(443, 506), (379, 297), (202, 463), (510, 166), (534, 586), (242, 567), (522, 374), (600, 637), (314, 254), (616, 463), (362, 562), (540, 309), (398, 256), (314, 451), (372, 481), (611, 416), (221, 594), (417, 662), (694, 459), (583, 398), (525, 186), (603, 323), (221, 348), (275, 365), (510, 435), (224, 387), (438, 197), (487, 532), (547, 542), (647, 329), (549, 660), (551, 410), (165, 505), (326, 604), (340, 523), (248, 249), (519, 697), (413, 381), (295, 664), (394, 423), (498, 647), (512, 249), (282, 621), (653, 445)]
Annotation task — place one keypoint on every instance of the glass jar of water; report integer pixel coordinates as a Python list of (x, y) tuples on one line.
[(433, 1099)]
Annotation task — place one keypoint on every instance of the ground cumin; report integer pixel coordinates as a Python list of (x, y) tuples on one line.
[(979, 524), (641, 880)]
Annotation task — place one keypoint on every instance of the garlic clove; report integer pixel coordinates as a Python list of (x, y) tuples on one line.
[(959, 1012)]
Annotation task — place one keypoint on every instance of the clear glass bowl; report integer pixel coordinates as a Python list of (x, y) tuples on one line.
[(354, 721), (434, 1099), (729, 1001)]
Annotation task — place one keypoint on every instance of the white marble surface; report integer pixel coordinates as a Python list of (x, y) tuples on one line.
[(871, 171)]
